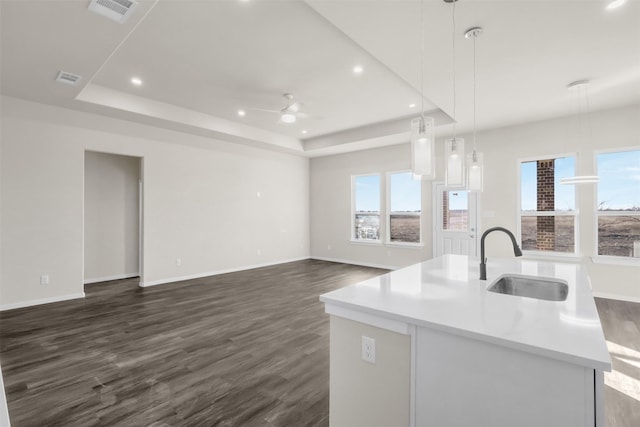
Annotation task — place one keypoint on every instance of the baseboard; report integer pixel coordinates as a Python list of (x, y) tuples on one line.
[(31, 303), (217, 272), (363, 264), (108, 278), (616, 297)]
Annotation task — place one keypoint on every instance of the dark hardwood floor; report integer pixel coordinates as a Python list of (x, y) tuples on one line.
[(242, 349)]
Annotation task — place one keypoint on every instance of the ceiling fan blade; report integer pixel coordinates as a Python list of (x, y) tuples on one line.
[(265, 110), (295, 107)]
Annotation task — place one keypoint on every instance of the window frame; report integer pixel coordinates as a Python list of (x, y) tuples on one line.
[(352, 231), (596, 257), (388, 213), (575, 213)]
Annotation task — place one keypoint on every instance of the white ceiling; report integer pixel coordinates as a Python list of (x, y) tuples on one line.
[(201, 61)]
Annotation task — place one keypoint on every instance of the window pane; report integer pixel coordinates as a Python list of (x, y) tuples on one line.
[(619, 235), (368, 193), (528, 186), (405, 204), (565, 195), (367, 207), (367, 226), (455, 210), (619, 186), (548, 233), (536, 191)]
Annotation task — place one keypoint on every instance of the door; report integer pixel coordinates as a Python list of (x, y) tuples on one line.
[(455, 221)]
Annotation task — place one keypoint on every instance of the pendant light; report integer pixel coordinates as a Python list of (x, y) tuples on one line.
[(422, 128), (475, 161), (454, 147), (581, 88)]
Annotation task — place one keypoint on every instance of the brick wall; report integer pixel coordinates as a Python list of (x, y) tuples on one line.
[(445, 210), (545, 239)]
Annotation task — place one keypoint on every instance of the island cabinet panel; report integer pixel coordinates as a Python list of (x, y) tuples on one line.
[(461, 381), (366, 394)]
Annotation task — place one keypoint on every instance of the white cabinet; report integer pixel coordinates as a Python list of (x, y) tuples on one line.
[(465, 382)]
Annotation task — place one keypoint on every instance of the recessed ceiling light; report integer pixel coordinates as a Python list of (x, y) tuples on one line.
[(136, 81), (614, 4), (242, 113), (304, 131), (358, 69), (412, 105)]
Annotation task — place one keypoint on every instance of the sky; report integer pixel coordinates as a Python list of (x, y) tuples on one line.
[(619, 186), (405, 193)]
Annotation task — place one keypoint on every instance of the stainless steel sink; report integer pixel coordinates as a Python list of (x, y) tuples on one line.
[(531, 287)]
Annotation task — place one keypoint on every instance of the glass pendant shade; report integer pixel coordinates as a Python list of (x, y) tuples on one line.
[(475, 171), (423, 147), (454, 153)]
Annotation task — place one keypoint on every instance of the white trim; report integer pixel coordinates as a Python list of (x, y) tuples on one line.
[(618, 297), (381, 322), (367, 242), (407, 245), (217, 272), (360, 263), (33, 302), (616, 260), (552, 256), (108, 278)]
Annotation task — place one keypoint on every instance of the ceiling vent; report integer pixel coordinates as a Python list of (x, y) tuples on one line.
[(116, 10), (68, 78)]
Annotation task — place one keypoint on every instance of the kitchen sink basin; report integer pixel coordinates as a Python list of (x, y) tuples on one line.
[(531, 287)]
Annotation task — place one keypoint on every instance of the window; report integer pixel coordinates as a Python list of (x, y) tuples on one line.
[(547, 209), (366, 207), (405, 203), (618, 210), (455, 210)]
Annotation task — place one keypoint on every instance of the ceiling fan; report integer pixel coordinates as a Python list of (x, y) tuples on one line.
[(290, 113)]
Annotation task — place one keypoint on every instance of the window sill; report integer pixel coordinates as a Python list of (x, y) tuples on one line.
[(366, 242), (404, 245), (615, 260), (552, 256)]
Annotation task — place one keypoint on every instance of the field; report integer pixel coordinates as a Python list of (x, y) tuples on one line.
[(616, 234), (564, 233), (405, 228)]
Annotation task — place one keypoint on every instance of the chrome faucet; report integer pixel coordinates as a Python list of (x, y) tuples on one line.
[(483, 260)]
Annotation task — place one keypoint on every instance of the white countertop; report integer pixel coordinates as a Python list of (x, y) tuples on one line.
[(445, 293)]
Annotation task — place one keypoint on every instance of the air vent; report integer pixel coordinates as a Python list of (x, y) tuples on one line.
[(68, 78), (116, 10)]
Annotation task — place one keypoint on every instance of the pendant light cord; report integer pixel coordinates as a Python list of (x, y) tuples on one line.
[(422, 60), (453, 42), (474, 94)]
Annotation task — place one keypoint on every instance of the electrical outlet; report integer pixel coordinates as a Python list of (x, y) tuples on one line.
[(258, 252), (178, 262), (44, 279), (368, 349)]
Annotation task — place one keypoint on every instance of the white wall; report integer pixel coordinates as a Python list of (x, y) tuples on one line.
[(330, 192), (111, 216), (331, 208), (201, 201)]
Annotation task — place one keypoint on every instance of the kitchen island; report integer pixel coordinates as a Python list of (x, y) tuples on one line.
[(446, 351)]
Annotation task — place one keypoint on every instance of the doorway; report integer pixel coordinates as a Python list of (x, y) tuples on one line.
[(112, 217), (455, 221)]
